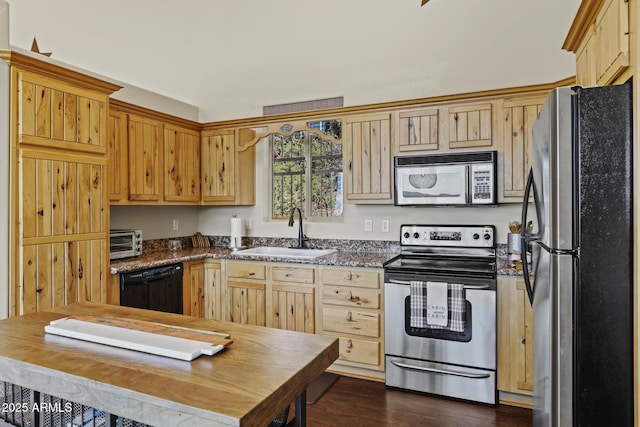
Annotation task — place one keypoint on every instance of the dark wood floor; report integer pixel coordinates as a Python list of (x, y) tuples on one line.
[(359, 403)]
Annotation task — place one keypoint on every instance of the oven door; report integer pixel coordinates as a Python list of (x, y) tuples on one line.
[(476, 347), (432, 185)]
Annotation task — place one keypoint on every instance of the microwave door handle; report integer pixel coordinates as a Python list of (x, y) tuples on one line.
[(467, 191)]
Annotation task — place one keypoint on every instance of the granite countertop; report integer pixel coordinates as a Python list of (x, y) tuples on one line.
[(350, 253), (156, 258)]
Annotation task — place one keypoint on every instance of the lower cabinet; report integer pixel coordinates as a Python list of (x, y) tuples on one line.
[(202, 289), (345, 303), (245, 292), (352, 311), (515, 341), (291, 298)]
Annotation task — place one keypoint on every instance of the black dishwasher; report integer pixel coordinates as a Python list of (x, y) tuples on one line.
[(158, 288)]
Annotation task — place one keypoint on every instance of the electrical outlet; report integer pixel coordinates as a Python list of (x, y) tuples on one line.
[(176, 224), (368, 225), (248, 223), (384, 225)]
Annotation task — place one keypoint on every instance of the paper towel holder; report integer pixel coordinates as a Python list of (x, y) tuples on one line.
[(235, 237)]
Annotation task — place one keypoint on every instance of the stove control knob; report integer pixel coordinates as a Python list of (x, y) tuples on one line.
[(416, 235), (406, 235), (487, 236), (476, 236)]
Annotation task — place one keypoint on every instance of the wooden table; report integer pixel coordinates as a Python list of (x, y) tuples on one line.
[(247, 384)]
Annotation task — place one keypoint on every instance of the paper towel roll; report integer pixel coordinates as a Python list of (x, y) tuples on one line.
[(236, 233)]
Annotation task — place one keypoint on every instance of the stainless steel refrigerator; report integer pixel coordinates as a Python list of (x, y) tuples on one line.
[(582, 296)]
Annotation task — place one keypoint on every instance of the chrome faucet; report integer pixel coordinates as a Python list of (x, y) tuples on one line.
[(302, 239)]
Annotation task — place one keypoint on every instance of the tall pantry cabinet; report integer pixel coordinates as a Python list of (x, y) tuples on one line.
[(58, 243)]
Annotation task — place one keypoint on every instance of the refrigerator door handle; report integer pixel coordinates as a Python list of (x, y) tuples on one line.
[(524, 237)]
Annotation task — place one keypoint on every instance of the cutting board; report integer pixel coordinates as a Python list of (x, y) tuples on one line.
[(149, 337)]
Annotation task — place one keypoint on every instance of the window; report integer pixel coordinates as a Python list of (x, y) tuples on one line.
[(307, 170)]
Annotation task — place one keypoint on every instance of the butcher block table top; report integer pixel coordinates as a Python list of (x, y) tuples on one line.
[(249, 383)]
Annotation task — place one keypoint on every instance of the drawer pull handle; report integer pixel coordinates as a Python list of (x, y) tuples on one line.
[(252, 274), (287, 275), (349, 276), (349, 295), (440, 371), (349, 316), (349, 344)]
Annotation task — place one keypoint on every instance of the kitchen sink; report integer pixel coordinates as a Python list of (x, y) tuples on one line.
[(279, 252)]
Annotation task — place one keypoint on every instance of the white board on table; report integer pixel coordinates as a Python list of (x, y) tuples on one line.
[(162, 345)]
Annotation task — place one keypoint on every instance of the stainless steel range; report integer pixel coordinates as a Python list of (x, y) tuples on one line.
[(440, 312)]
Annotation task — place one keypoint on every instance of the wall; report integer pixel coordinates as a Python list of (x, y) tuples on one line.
[(156, 222)]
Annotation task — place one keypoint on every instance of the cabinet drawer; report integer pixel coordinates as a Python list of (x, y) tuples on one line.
[(351, 277), (292, 274), (351, 322), (245, 270), (351, 297), (360, 351)]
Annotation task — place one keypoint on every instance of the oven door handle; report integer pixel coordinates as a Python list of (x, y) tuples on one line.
[(406, 282), (440, 371)]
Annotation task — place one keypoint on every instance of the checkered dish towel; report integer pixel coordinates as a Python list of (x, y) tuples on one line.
[(456, 300)]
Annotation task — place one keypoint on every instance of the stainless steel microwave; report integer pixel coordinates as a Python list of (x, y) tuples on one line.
[(125, 243), (464, 179)]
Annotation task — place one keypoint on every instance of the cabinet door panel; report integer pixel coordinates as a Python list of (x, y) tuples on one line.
[(518, 118), (57, 114), (181, 164), (117, 149), (293, 308), (246, 302), (144, 158), (218, 166), (470, 126), (419, 130), (55, 274), (367, 156)]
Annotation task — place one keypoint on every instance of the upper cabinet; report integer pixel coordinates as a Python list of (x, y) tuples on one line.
[(218, 165), (518, 115), (367, 158), (470, 125), (419, 130), (181, 159), (117, 147), (145, 149), (443, 127), (599, 36), (156, 159), (228, 167)]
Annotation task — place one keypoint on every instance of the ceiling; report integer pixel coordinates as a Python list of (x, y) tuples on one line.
[(231, 57)]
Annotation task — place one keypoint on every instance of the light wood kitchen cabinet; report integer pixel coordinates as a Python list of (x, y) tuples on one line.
[(599, 36), (367, 158), (118, 155), (515, 340), (181, 159), (213, 290), (218, 165), (352, 311), (612, 40), (245, 290), (228, 167), (291, 298), (470, 125), (518, 115), (58, 191), (586, 74), (193, 289), (145, 149), (419, 130)]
